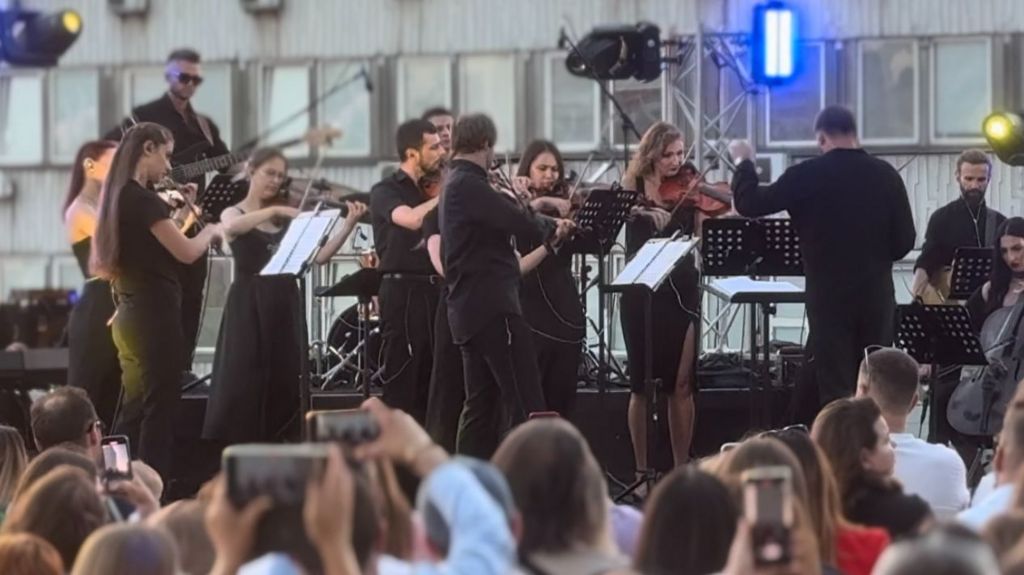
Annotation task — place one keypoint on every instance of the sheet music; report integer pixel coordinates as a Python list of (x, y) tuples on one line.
[(654, 262), (300, 242), (737, 285)]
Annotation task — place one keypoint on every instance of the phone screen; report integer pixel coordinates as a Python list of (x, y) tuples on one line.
[(348, 426), (117, 458), (768, 507), (281, 472)]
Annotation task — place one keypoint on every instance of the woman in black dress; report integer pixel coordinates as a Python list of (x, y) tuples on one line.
[(653, 172), (255, 393), (92, 356), (138, 247), (551, 304)]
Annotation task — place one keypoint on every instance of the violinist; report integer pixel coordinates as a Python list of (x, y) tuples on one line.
[(139, 250), (657, 173), (551, 304), (256, 367), (410, 286)]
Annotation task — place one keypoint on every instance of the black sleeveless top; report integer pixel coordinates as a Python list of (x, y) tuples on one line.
[(82, 250), (253, 249)]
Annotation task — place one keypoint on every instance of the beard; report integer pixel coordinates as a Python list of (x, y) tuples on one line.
[(972, 196)]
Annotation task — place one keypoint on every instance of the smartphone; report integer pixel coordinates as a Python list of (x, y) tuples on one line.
[(117, 458), (768, 508), (348, 426), (543, 414), (279, 471)]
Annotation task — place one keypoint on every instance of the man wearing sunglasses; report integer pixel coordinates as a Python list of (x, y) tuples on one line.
[(195, 137)]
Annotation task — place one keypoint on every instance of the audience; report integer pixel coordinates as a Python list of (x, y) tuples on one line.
[(855, 439), (184, 521), (65, 415), (27, 554), (12, 464), (49, 460), (944, 551), (562, 496), (62, 507), (934, 472), (1004, 533), (689, 525), (127, 549), (1007, 465)]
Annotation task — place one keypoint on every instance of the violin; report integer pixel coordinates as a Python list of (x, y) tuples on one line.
[(684, 190)]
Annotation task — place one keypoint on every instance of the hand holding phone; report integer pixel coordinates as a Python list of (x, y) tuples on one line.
[(350, 427), (117, 458), (768, 509)]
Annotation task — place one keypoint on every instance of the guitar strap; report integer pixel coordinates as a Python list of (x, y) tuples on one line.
[(990, 227), (204, 126)]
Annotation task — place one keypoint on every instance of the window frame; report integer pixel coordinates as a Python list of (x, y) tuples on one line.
[(401, 89), (549, 118), (822, 47), (512, 145), (44, 118), (912, 141), (50, 154), (261, 106), (934, 139), (321, 87), (615, 122)]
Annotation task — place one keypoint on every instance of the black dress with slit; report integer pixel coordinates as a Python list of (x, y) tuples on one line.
[(256, 367), (92, 355)]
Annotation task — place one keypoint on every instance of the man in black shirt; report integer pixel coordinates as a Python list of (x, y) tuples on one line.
[(964, 222), (410, 288), (195, 137), (482, 270), (853, 217)]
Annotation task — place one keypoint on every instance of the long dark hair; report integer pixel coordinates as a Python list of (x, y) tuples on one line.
[(91, 150), (535, 149), (999, 278), (843, 429), (106, 245)]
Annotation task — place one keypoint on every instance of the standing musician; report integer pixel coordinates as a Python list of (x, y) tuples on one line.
[(92, 356), (443, 120), (255, 394), (965, 222), (663, 181), (483, 273), (410, 287), (139, 249), (853, 217), (195, 136), (551, 304)]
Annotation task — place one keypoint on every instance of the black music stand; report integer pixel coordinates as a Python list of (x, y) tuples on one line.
[(971, 268), (363, 285), (223, 191)]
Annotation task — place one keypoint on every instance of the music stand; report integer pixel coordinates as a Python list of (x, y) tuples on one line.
[(646, 272), (305, 236), (363, 285), (223, 191), (971, 268), (746, 247)]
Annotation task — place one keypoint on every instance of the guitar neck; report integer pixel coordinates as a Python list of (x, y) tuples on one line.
[(191, 171)]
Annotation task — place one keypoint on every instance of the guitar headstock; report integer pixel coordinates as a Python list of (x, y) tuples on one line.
[(321, 136)]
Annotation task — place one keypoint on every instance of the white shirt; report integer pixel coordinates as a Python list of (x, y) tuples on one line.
[(933, 472), (996, 503)]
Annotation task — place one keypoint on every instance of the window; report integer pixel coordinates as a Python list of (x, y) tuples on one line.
[(348, 109), (423, 82), (74, 111), (961, 90), (572, 107), (642, 101), (21, 119), (212, 99), (487, 85), (887, 91), (792, 107), (285, 91)]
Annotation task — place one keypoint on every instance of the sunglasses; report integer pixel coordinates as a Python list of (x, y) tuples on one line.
[(184, 78)]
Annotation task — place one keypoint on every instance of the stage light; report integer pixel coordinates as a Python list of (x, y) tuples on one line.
[(30, 38), (1004, 131), (775, 43), (618, 53)]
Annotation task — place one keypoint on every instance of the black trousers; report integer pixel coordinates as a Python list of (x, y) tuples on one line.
[(558, 365), (841, 327), (193, 283), (502, 384), (447, 384), (407, 310), (150, 344)]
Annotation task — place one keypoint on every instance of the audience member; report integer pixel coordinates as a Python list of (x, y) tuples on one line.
[(562, 496), (1003, 533), (855, 439), (689, 526), (934, 472), (62, 507), (149, 478), (66, 415), (27, 554), (49, 460), (127, 549), (1007, 465), (943, 551), (13, 461), (851, 548), (183, 520)]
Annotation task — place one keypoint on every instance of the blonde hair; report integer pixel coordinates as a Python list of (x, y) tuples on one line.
[(13, 461), (652, 145), (127, 549)]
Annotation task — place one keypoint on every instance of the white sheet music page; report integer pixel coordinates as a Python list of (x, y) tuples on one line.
[(300, 242), (654, 262)]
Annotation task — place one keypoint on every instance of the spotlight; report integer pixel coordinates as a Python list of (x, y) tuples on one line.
[(775, 43), (1004, 131), (30, 38), (618, 53)]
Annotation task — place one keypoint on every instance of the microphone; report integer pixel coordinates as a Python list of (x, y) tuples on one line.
[(562, 38), (367, 81)]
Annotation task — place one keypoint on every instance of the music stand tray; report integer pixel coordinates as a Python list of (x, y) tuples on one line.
[(971, 268), (362, 284), (742, 246), (938, 334), (223, 191), (600, 219)]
